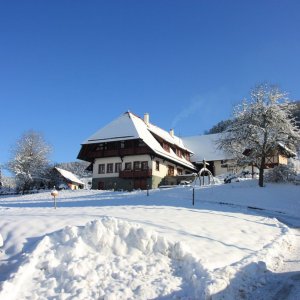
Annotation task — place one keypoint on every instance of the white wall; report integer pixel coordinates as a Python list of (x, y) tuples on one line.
[(108, 160), (163, 165), (220, 170), (163, 168)]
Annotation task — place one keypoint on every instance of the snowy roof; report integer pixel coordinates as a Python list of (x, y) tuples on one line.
[(167, 136), (129, 126), (68, 175), (288, 150), (205, 147), (117, 130)]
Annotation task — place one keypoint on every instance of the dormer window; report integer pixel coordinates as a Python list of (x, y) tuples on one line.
[(166, 147), (179, 152), (187, 156)]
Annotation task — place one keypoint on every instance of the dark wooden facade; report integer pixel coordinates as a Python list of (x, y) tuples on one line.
[(89, 152)]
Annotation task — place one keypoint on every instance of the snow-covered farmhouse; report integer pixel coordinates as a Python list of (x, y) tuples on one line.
[(131, 153), (68, 180), (205, 147)]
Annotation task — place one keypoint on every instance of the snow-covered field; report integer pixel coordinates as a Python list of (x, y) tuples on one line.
[(119, 245)]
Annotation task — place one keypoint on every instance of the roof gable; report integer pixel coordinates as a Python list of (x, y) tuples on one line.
[(121, 128)]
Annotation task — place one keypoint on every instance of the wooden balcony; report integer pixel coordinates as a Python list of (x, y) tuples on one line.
[(135, 173), (119, 152)]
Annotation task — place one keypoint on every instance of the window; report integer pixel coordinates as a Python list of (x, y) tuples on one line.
[(109, 168), (101, 169), (128, 166), (179, 171), (137, 165), (99, 147), (179, 152), (144, 165), (157, 165), (118, 167), (141, 143), (187, 156), (166, 147), (112, 146), (170, 170), (128, 144)]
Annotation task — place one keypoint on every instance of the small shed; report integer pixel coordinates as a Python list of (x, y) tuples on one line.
[(69, 179)]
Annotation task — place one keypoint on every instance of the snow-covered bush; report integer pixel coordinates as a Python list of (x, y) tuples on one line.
[(282, 173)]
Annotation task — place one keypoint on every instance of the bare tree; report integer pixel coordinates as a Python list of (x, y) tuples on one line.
[(29, 160), (260, 126)]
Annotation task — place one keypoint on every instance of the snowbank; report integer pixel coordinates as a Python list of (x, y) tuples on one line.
[(236, 244), (1, 240), (107, 259)]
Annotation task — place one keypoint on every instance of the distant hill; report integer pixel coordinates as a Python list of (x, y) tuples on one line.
[(222, 125)]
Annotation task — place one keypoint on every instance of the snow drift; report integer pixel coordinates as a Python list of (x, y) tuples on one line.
[(107, 259)]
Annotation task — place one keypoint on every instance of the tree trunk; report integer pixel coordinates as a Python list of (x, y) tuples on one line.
[(261, 172), (261, 177)]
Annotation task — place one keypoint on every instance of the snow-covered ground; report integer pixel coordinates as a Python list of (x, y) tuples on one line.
[(119, 245)]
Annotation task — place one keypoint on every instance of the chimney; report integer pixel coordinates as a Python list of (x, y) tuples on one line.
[(172, 132), (146, 118)]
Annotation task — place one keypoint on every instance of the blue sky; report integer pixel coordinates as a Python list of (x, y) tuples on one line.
[(67, 68)]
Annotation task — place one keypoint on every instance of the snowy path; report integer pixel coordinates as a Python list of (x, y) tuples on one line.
[(284, 283), (280, 282)]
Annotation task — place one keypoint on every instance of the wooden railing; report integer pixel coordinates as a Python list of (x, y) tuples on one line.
[(135, 173)]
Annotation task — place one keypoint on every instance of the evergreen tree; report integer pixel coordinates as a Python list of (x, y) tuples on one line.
[(219, 127)]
